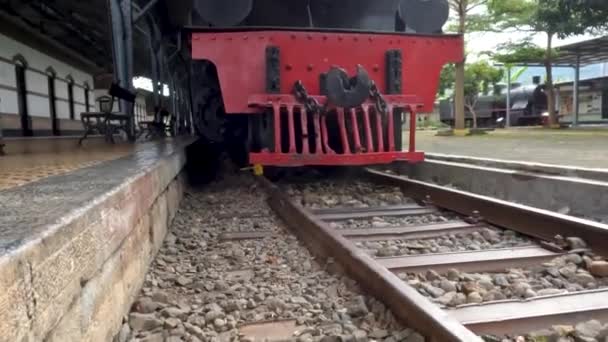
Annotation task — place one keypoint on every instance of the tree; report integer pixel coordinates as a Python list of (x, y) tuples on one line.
[(446, 80), (559, 18), (479, 78), (467, 22)]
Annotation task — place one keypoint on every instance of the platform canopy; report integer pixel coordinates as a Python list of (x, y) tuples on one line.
[(583, 53), (590, 52), (82, 30)]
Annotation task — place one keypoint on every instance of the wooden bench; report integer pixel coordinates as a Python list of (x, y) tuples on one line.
[(159, 127), (107, 122)]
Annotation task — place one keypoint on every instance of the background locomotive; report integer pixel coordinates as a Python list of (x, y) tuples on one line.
[(528, 104), (316, 82)]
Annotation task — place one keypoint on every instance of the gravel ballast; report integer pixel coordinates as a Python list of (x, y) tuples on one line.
[(200, 288), (564, 274)]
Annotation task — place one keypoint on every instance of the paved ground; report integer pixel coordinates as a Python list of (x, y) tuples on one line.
[(582, 147), (20, 169)]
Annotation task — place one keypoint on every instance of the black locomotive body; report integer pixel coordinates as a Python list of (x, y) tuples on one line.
[(528, 105)]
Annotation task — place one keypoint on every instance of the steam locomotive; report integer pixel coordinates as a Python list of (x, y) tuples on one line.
[(317, 82), (528, 105)]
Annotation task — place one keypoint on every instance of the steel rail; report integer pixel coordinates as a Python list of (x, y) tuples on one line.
[(405, 302), (535, 222)]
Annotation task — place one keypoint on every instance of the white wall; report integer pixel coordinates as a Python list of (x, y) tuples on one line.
[(8, 101), (7, 73), (37, 82)]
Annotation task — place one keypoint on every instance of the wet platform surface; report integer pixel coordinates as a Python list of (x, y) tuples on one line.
[(586, 148), (28, 211), (19, 169)]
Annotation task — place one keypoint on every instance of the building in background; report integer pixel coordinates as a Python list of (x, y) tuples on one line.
[(593, 100), (42, 92)]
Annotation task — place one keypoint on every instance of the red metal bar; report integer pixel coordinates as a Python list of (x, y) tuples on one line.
[(323, 153), (298, 159), (379, 134), (325, 137), (412, 147), (266, 100), (368, 129), (277, 127), (304, 122), (317, 122), (292, 130), (355, 125), (343, 136), (391, 127)]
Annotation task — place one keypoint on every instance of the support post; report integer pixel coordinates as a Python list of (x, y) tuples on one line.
[(508, 112), (575, 96), (1, 137), (557, 98), (154, 46), (412, 147), (122, 48)]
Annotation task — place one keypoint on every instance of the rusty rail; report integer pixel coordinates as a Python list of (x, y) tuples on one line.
[(405, 302), (531, 221)]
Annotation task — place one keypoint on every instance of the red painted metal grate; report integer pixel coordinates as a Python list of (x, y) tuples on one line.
[(363, 135)]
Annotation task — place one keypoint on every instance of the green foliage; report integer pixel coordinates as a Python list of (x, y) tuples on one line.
[(479, 77), (446, 79), (468, 21), (555, 17), (517, 74), (522, 52)]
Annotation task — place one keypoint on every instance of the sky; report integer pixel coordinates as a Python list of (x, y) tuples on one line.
[(480, 42)]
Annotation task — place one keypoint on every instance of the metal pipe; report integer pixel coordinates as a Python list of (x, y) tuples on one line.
[(118, 47), (144, 10), (178, 48), (508, 113), (155, 65), (575, 97), (122, 53), (127, 22)]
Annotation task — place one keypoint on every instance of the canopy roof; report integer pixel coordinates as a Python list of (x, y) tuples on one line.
[(590, 51)]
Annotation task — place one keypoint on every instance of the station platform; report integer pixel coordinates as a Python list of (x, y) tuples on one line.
[(581, 147), (77, 237), (19, 168)]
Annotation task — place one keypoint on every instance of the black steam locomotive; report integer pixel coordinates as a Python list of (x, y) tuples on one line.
[(528, 105)]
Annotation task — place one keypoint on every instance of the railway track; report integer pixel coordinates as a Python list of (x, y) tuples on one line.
[(457, 266), (372, 258), (229, 270)]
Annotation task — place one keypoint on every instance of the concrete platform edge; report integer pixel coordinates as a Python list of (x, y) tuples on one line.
[(77, 283), (549, 169), (574, 196)]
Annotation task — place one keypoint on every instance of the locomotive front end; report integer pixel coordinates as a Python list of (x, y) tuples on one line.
[(335, 91)]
